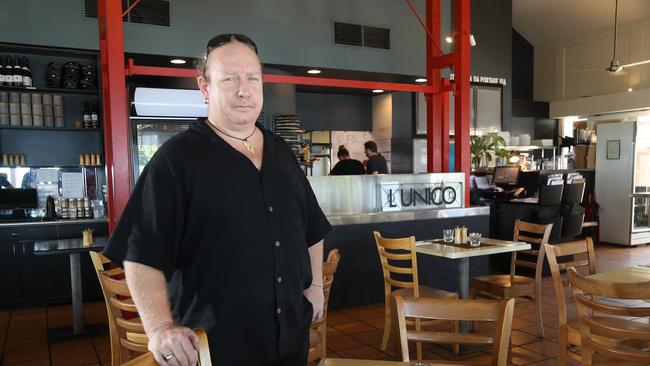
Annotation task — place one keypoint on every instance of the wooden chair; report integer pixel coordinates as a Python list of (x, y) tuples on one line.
[(148, 359), (318, 331), (511, 285), (568, 328), (402, 251), (127, 335), (607, 337), (498, 311)]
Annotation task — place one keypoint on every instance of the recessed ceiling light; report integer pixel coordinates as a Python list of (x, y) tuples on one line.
[(177, 61), (420, 80), (314, 71), (378, 90), (629, 89), (449, 39)]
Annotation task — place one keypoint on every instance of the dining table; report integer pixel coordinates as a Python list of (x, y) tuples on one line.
[(352, 362)]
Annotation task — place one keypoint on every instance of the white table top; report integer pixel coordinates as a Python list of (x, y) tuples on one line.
[(628, 274), (351, 362), (488, 246)]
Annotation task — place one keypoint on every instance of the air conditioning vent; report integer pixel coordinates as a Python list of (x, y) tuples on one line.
[(361, 35), (376, 37), (154, 12), (350, 34)]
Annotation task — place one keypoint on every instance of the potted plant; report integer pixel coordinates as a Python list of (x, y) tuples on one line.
[(485, 146)]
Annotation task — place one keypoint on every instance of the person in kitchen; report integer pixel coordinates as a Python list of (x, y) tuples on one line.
[(223, 231), (347, 165), (376, 162)]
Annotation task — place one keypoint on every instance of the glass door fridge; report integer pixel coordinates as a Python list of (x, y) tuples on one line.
[(641, 193), (148, 134)]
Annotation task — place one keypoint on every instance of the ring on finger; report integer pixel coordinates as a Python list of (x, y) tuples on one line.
[(168, 357)]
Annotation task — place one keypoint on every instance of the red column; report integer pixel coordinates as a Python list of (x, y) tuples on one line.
[(461, 99), (444, 127), (434, 142), (114, 107)]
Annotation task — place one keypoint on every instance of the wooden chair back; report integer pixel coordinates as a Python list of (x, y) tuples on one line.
[(536, 235), (400, 250), (498, 311), (317, 344), (148, 359), (128, 338), (603, 330), (573, 250)]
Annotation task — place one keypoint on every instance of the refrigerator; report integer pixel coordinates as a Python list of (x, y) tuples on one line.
[(623, 182)]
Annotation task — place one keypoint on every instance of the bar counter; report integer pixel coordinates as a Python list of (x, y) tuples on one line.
[(358, 205)]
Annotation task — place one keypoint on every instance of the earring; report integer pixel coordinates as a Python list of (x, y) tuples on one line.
[(206, 100)]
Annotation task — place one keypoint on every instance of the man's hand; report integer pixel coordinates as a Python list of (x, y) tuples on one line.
[(315, 295), (174, 345)]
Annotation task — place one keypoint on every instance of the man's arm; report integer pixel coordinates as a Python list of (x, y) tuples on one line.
[(315, 292), (149, 291)]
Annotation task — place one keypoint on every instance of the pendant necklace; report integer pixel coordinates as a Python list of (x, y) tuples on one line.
[(247, 144)]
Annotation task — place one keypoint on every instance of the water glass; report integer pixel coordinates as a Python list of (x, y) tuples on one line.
[(474, 239), (448, 235)]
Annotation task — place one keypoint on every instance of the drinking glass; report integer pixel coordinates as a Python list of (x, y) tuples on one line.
[(448, 235), (474, 239)]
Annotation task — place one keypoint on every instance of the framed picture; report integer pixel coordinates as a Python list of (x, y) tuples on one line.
[(613, 149)]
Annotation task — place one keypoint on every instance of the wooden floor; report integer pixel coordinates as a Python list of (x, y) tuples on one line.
[(352, 333)]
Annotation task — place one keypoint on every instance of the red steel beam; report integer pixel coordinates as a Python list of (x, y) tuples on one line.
[(434, 105), (461, 96), (114, 107), (444, 126), (133, 69)]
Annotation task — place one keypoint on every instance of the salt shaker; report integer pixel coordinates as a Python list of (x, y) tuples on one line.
[(463, 235), (457, 236)]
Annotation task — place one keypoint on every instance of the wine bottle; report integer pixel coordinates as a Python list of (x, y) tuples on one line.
[(2, 73), (18, 72), (86, 116), (94, 117), (27, 73), (9, 72)]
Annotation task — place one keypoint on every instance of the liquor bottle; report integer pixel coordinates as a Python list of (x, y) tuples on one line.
[(9, 72), (27, 73), (86, 116), (18, 72), (94, 117), (2, 73)]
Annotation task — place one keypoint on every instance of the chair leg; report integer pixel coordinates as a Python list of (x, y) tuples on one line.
[(562, 357), (387, 325), (538, 313), (455, 327)]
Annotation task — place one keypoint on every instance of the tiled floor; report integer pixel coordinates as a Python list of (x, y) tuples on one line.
[(352, 333)]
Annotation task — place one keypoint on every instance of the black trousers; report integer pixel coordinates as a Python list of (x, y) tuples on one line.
[(298, 357)]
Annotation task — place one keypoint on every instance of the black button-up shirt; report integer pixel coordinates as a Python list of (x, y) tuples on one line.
[(232, 242)]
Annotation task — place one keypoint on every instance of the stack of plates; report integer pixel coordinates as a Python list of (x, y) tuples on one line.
[(287, 126)]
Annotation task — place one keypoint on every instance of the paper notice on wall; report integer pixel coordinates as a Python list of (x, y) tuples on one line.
[(47, 175), (72, 185)]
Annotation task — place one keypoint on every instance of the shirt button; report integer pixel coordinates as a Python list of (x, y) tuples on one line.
[(277, 243), (270, 208), (279, 279), (278, 310)]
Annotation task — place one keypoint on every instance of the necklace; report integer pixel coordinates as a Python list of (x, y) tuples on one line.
[(247, 144)]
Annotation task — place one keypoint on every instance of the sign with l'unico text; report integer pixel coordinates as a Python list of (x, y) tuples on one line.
[(397, 196)]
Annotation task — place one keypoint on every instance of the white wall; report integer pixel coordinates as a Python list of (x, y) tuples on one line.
[(576, 69)]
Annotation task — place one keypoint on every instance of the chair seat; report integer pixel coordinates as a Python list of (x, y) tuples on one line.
[(429, 292), (504, 280)]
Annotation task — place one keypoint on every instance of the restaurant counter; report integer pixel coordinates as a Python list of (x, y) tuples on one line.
[(359, 279), (38, 280)]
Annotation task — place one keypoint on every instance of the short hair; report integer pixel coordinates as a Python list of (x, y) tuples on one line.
[(342, 152), (370, 145), (218, 41)]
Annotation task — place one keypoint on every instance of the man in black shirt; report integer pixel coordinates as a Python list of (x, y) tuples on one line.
[(347, 165), (223, 231), (376, 162)]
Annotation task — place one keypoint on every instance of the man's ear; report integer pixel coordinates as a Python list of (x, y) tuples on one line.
[(203, 85)]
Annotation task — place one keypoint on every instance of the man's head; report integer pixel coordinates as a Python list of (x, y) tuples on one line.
[(343, 153), (230, 78), (370, 148)]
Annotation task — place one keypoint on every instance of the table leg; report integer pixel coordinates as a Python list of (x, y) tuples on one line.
[(463, 286), (75, 282)]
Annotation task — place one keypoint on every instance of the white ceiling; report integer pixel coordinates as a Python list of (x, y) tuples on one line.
[(551, 22)]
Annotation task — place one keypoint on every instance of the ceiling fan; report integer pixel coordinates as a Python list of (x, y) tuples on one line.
[(615, 66)]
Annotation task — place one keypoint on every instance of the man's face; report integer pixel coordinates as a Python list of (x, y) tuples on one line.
[(234, 86), (368, 153)]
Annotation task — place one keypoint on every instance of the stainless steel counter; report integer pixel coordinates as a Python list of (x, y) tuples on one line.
[(379, 217)]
